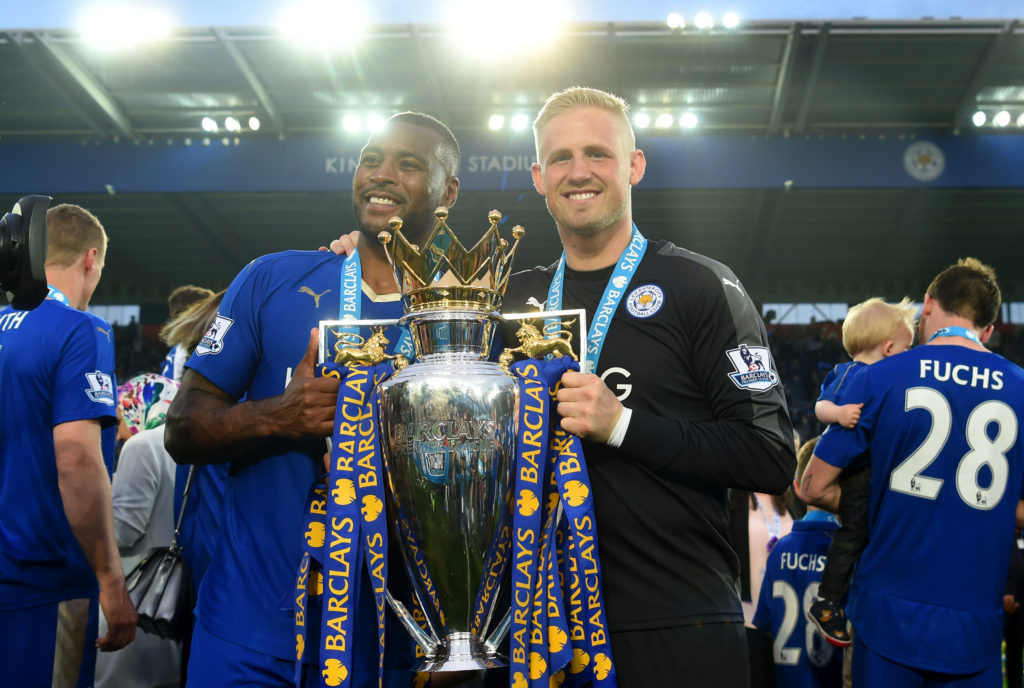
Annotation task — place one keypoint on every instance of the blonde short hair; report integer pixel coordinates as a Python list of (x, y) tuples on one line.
[(875, 322), (71, 231), (570, 99), (803, 457)]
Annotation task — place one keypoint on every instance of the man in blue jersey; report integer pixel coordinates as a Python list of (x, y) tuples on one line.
[(261, 347), (180, 300), (947, 465), (58, 553), (803, 659)]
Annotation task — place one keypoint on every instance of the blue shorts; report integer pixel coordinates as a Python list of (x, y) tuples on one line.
[(872, 669), (215, 663), (53, 644)]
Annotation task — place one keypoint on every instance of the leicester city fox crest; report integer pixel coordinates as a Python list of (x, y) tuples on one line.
[(753, 366)]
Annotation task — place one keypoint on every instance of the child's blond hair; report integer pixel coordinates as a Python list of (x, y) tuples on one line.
[(875, 322)]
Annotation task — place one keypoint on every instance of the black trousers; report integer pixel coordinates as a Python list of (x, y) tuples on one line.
[(1013, 633), (851, 537)]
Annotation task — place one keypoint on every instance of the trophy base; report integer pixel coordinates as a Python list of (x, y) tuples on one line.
[(463, 652)]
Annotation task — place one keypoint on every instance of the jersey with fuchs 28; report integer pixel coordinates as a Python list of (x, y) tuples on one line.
[(942, 424), (687, 352)]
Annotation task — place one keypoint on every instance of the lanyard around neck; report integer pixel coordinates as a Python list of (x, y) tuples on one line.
[(625, 268), (956, 331)]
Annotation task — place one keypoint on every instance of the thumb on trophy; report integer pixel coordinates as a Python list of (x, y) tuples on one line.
[(307, 366)]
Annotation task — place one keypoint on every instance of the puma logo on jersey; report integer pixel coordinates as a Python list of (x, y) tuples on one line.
[(735, 285), (106, 333), (316, 297), (532, 301)]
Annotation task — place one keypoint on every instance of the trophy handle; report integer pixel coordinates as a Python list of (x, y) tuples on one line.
[(429, 643), (499, 632)]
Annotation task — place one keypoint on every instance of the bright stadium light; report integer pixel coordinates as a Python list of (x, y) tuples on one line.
[(323, 23), (114, 25), (979, 118), (254, 123), (675, 21), (688, 120), (496, 122), (490, 29), (730, 20), (703, 20), (642, 120), (1020, 120), (232, 124), (209, 124), (663, 121), (351, 123), (374, 122), (1001, 119), (520, 122)]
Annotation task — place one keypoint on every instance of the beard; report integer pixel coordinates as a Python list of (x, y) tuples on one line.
[(594, 225)]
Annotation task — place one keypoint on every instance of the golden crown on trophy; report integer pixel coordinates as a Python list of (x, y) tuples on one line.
[(444, 275)]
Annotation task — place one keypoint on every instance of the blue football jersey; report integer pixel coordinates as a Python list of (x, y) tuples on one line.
[(56, 366), (167, 367), (258, 336), (947, 464), (803, 658), (838, 379)]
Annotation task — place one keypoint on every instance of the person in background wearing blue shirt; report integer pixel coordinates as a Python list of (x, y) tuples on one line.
[(257, 348), (791, 578), (941, 425), (872, 330), (57, 432)]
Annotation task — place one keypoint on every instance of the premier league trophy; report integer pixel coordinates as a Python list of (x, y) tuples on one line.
[(447, 431)]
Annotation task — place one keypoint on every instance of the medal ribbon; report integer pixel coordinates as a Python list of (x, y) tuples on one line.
[(625, 268), (544, 639), (345, 527), (350, 302), (955, 331)]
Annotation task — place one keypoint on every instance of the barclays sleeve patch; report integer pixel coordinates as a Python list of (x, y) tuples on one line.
[(753, 366), (101, 388), (213, 341)]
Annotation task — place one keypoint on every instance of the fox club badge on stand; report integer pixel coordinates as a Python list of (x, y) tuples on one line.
[(464, 432)]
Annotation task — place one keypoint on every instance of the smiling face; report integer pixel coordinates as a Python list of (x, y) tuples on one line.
[(587, 166), (401, 172)]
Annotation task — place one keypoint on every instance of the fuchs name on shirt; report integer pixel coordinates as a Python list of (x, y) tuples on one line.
[(797, 561), (964, 375)]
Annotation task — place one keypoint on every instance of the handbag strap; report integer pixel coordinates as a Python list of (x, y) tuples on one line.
[(184, 501)]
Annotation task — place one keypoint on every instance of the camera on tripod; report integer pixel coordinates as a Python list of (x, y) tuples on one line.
[(23, 252)]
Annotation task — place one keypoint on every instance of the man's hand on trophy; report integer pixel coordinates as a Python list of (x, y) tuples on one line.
[(346, 244), (588, 408), (308, 403)]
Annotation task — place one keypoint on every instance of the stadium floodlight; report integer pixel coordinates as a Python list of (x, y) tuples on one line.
[(118, 25), (675, 21), (1020, 120), (663, 121), (979, 118), (209, 124), (704, 20), (688, 120), (642, 120), (323, 23), (232, 124), (254, 123), (1001, 119), (374, 122), (496, 122), (351, 123), (520, 121), (493, 29), (730, 20)]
